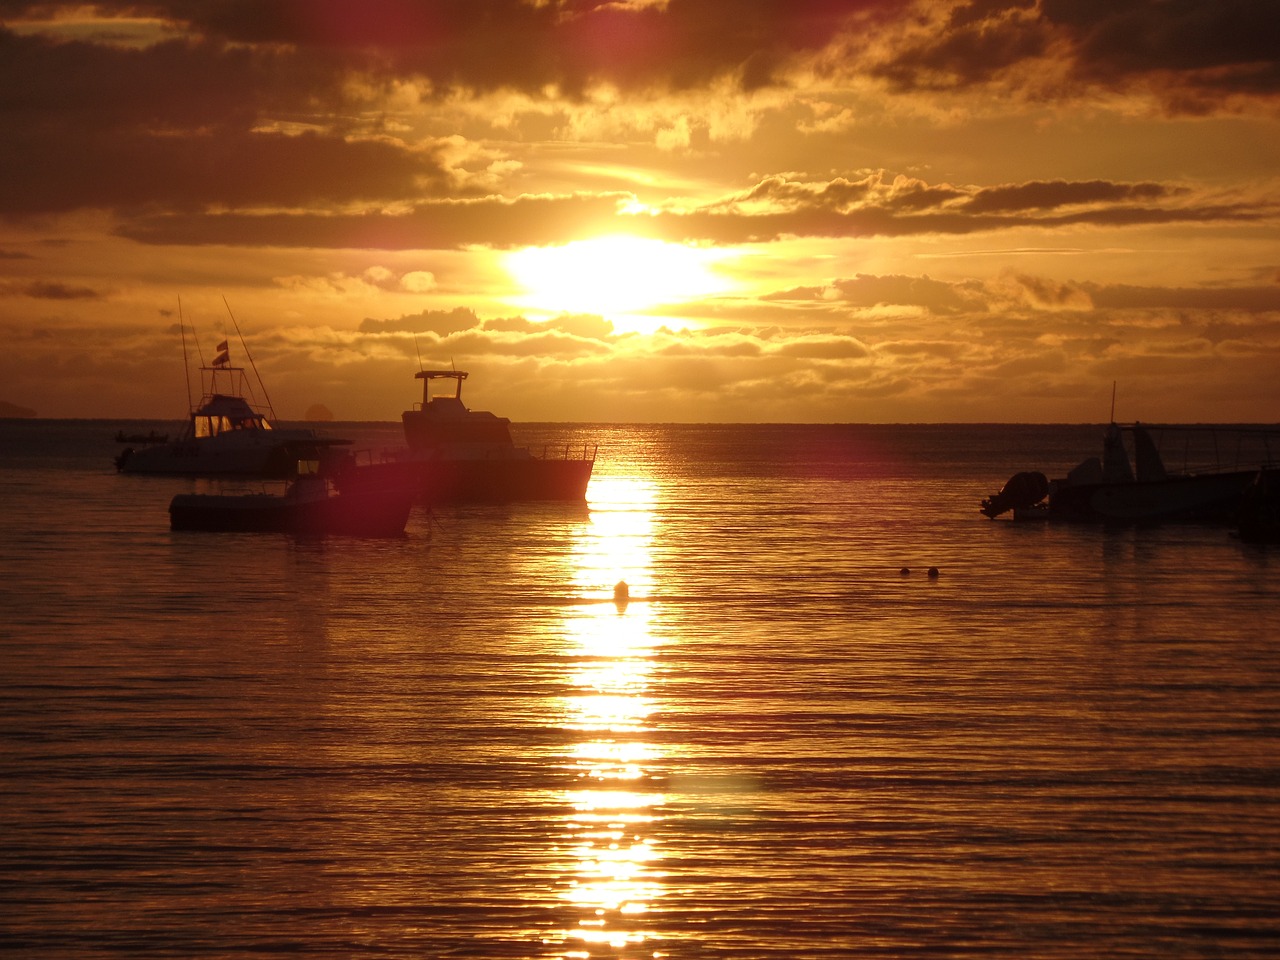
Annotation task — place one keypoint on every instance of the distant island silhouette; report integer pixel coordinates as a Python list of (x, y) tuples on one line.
[(12, 410)]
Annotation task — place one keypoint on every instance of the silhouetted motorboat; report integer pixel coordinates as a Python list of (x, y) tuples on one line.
[(456, 454), (1258, 519), (1111, 490), (225, 436), (310, 506)]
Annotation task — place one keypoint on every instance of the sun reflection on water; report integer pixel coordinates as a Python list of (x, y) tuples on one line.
[(615, 804)]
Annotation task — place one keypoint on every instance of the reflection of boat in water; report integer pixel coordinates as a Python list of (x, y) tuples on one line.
[(225, 435), (1112, 490), (456, 454), (308, 507)]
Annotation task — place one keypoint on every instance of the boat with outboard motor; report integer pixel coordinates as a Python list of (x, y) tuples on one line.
[(310, 506), (455, 454), (1116, 490), (226, 435)]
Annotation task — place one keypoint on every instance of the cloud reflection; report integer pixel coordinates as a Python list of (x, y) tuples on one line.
[(614, 807)]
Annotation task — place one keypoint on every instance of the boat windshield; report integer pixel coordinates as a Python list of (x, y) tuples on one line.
[(211, 426)]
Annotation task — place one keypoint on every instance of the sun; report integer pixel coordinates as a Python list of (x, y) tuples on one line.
[(615, 277)]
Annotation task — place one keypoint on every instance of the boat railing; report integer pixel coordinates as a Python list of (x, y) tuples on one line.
[(1189, 449), (565, 453), (365, 456)]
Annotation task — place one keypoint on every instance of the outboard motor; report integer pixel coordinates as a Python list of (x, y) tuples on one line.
[(1022, 490)]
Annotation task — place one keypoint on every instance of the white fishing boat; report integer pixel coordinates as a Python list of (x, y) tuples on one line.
[(227, 435)]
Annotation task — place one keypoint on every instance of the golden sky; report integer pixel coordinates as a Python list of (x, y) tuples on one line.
[(692, 210)]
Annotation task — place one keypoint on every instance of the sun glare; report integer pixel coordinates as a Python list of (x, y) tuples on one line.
[(614, 277)]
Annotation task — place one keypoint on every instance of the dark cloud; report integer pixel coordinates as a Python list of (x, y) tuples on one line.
[(1197, 51), (446, 225), (1113, 39), (520, 45), (199, 121), (441, 322), (937, 296), (773, 210), (46, 290), (1125, 296), (1049, 195)]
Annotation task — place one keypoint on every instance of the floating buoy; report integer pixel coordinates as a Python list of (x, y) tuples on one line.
[(933, 573), (905, 571), (621, 591)]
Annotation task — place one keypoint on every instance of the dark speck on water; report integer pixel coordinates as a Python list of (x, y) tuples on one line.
[(697, 717)]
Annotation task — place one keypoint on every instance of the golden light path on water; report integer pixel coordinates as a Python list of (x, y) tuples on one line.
[(611, 812)]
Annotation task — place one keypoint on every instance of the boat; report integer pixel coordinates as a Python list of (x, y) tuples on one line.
[(455, 454), (227, 436), (1118, 490), (309, 507), (1258, 519)]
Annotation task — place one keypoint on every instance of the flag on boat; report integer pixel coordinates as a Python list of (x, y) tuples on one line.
[(222, 358), (222, 347)]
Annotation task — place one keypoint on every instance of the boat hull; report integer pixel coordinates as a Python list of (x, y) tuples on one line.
[(370, 513), (496, 480), (1212, 497), (266, 457)]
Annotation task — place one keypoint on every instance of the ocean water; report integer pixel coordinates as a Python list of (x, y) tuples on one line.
[(456, 744)]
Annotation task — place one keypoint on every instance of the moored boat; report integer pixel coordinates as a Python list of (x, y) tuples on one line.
[(227, 436), (310, 507), (1116, 490), (455, 454), (1258, 519)]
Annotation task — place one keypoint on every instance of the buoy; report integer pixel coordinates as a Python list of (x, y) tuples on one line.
[(905, 571), (933, 573)]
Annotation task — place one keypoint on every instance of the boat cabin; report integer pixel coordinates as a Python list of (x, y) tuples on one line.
[(441, 421), (223, 414)]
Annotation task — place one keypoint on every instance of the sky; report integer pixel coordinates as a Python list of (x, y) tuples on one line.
[(646, 211)]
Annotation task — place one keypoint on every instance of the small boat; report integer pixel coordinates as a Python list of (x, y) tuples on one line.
[(456, 454), (1116, 490), (309, 507), (1258, 520), (227, 436)]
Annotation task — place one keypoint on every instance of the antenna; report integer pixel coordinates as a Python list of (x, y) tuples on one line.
[(186, 366), (1113, 401), (245, 347), (419, 351)]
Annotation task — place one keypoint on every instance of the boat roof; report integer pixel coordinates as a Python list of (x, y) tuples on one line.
[(222, 405), (458, 375)]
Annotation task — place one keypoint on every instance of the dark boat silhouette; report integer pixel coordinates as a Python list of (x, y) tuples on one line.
[(310, 506), (227, 436), (1114, 490), (456, 454)]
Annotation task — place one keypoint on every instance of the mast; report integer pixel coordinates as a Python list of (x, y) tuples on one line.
[(186, 366), (245, 346)]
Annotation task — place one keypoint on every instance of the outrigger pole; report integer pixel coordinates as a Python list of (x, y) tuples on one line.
[(245, 347), (186, 366)]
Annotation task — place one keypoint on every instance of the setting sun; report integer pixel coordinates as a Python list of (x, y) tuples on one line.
[(614, 276)]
